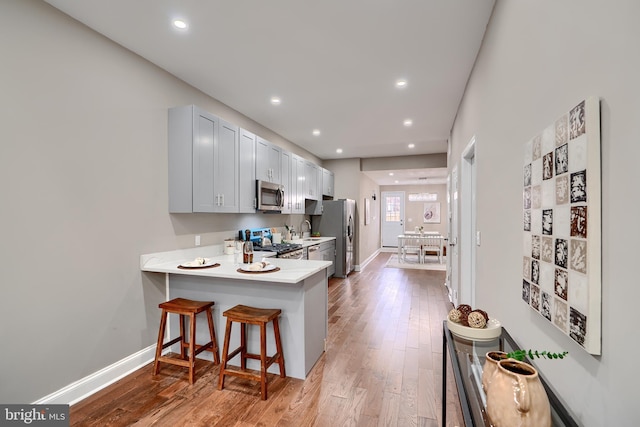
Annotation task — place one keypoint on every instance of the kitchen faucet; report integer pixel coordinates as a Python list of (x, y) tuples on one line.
[(306, 221)]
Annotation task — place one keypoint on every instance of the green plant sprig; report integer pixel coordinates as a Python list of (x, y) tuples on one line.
[(521, 354)]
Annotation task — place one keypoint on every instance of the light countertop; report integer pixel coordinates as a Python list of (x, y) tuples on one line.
[(291, 271), (310, 241)]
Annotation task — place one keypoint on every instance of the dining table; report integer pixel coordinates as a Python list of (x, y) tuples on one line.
[(424, 242), (426, 233)]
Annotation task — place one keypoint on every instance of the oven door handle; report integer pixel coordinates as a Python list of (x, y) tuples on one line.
[(291, 255)]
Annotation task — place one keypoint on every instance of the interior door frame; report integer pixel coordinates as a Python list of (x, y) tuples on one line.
[(453, 266), (383, 212), (469, 237)]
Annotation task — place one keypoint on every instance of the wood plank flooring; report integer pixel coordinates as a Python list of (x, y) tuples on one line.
[(382, 367)]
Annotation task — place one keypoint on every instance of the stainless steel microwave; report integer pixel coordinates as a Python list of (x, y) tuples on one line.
[(270, 196)]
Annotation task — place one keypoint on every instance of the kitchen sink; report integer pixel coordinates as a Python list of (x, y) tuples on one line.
[(312, 239)]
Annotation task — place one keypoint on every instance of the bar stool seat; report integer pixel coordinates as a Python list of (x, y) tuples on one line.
[(246, 315), (190, 308)]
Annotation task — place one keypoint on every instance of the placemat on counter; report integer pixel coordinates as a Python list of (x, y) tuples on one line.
[(199, 268), (258, 272)]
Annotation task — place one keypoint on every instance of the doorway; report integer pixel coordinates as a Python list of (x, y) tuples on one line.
[(469, 236), (453, 265), (392, 221)]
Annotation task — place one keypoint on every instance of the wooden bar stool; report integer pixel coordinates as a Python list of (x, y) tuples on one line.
[(185, 307), (251, 316)]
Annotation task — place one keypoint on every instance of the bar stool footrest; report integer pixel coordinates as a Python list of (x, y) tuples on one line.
[(175, 361), (246, 374), (234, 353), (172, 342), (201, 347)]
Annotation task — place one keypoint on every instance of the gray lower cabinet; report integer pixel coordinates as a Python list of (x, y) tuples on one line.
[(328, 251), (203, 162)]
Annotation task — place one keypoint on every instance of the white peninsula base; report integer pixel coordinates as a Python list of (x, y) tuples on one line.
[(301, 295)]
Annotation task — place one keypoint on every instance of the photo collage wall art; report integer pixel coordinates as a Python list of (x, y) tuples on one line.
[(562, 224)]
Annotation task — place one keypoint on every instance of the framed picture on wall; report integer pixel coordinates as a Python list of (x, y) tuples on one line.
[(562, 224), (431, 213)]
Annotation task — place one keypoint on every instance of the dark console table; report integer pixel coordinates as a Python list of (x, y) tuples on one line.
[(467, 358)]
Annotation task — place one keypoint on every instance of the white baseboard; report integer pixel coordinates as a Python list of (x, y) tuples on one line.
[(367, 261), (85, 387)]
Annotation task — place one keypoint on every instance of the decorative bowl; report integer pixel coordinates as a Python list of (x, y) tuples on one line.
[(488, 333)]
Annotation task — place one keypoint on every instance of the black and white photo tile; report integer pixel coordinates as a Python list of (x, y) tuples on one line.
[(535, 297), (555, 223), (526, 291)]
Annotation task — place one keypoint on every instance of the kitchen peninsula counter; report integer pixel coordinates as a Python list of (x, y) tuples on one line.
[(299, 289)]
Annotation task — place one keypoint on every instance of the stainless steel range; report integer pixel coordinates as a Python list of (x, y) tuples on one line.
[(262, 238)]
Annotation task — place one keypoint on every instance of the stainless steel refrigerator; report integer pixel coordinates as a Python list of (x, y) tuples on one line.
[(339, 219)]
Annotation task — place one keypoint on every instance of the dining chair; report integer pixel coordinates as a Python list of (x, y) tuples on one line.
[(431, 243), (411, 245)]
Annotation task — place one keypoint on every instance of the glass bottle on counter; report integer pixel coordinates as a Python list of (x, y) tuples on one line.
[(247, 252)]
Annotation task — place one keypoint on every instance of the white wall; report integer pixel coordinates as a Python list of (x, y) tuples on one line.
[(413, 211), (83, 180), (368, 234), (538, 60)]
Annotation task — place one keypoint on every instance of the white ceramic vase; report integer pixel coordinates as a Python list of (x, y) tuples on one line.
[(516, 396)]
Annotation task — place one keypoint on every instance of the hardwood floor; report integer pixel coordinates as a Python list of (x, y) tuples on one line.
[(382, 367)]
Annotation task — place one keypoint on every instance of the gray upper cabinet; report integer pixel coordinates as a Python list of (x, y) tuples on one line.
[(285, 176), (311, 181), (191, 135), (214, 165), (247, 172), (203, 162), (327, 183), (297, 184), (226, 166), (267, 161)]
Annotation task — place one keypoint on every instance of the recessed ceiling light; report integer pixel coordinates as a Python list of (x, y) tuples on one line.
[(396, 181), (412, 145), (408, 122), (339, 151), (180, 24), (401, 83), (390, 173), (316, 132), (275, 100)]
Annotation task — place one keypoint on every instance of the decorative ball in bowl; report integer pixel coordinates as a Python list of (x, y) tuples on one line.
[(473, 325)]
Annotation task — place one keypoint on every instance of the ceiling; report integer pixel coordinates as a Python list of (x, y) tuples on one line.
[(409, 176), (333, 63)]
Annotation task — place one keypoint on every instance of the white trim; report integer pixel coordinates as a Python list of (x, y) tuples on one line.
[(453, 260), (389, 238), (362, 266), (467, 218), (85, 387)]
